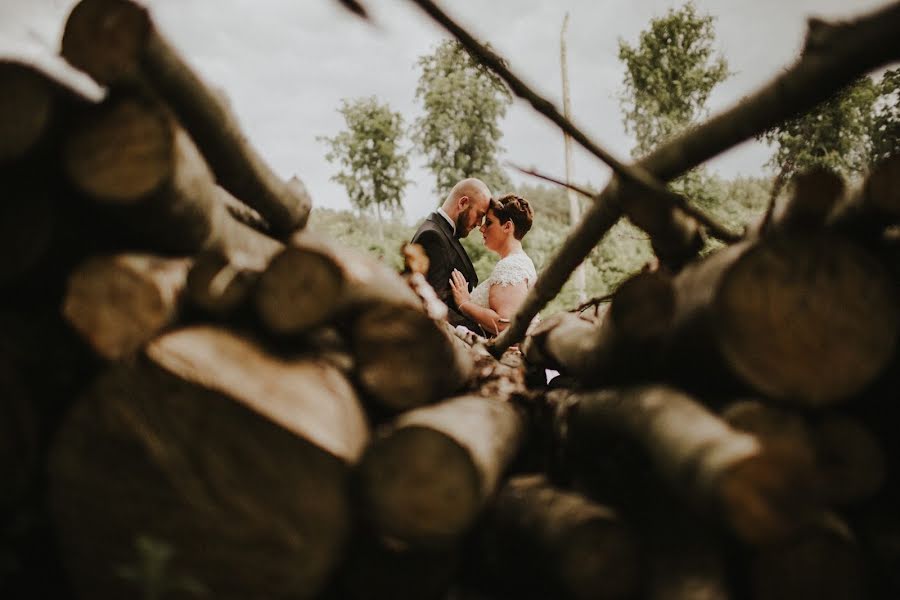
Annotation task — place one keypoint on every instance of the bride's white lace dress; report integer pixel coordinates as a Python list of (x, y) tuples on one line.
[(514, 268)]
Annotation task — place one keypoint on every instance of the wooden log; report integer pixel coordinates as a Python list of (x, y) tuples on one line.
[(684, 560), (405, 359), (549, 542), (32, 99), (28, 222), (220, 285), (209, 448), (875, 205), (813, 195), (18, 438), (374, 570), (621, 347), (761, 492), (823, 561), (850, 458), (809, 318), (120, 302), (850, 465), (674, 235), (425, 480), (315, 279), (116, 41), (130, 155)]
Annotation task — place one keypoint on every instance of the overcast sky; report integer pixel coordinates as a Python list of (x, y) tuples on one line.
[(286, 65)]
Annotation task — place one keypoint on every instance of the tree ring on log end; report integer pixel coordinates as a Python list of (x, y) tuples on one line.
[(420, 487), (810, 318), (121, 152)]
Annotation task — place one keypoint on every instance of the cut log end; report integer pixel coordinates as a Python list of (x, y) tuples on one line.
[(145, 455), (807, 318), (284, 299), (121, 152), (26, 109), (768, 496), (421, 486), (117, 304), (405, 358), (104, 38)]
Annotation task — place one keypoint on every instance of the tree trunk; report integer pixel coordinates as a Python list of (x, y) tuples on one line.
[(116, 41), (762, 493), (560, 543), (425, 480), (809, 319), (874, 206), (130, 155), (622, 347), (215, 448)]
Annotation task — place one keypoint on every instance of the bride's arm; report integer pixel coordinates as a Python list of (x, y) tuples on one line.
[(504, 300)]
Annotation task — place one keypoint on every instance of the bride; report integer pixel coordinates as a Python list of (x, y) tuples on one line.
[(493, 303)]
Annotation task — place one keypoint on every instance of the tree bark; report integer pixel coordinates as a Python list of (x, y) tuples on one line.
[(823, 561), (850, 464), (762, 493), (425, 480), (809, 318), (119, 303), (621, 347), (130, 155), (210, 447), (116, 41), (556, 541)]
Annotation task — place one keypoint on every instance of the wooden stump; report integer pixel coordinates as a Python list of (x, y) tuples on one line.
[(215, 449), (761, 492), (425, 479), (807, 318), (559, 542)]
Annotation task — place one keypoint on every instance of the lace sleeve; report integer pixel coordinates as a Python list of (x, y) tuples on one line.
[(514, 269)]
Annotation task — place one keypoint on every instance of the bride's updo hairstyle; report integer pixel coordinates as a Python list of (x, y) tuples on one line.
[(516, 209)]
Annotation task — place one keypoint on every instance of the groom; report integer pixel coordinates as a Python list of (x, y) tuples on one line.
[(439, 235)]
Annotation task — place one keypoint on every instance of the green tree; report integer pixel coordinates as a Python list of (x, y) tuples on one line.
[(373, 164), (459, 131), (885, 130), (669, 75), (834, 135)]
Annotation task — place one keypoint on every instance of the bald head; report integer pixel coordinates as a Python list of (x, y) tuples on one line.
[(466, 204)]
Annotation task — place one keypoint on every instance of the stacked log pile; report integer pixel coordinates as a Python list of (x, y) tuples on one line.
[(200, 398)]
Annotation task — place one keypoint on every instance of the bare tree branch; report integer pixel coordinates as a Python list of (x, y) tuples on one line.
[(842, 52), (720, 232), (634, 173)]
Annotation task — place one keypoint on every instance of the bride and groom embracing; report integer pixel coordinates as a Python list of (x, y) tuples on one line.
[(485, 308)]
